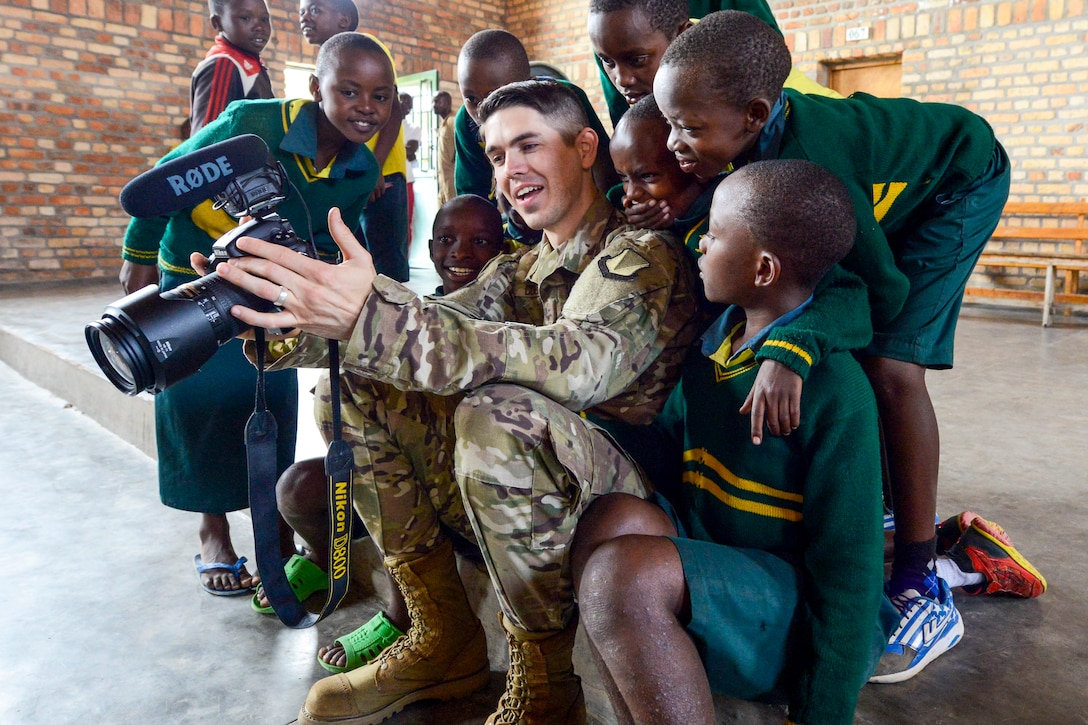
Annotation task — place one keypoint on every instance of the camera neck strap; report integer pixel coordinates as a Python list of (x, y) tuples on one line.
[(261, 434)]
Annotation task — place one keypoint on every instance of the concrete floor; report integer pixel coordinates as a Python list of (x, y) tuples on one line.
[(104, 621)]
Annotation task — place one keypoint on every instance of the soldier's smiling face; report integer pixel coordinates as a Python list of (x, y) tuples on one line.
[(540, 173)]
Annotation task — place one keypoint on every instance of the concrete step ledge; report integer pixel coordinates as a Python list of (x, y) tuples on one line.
[(130, 418)]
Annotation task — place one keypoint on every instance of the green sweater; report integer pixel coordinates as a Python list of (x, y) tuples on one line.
[(935, 149), (346, 183), (813, 497)]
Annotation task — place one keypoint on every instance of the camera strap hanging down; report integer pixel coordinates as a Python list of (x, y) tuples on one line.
[(261, 456)]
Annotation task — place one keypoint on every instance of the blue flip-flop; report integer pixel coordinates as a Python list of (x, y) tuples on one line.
[(236, 567)]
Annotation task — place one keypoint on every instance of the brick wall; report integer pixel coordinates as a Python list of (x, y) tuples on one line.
[(1022, 65), (91, 90), (554, 31)]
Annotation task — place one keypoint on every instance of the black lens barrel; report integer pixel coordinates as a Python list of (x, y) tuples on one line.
[(149, 341)]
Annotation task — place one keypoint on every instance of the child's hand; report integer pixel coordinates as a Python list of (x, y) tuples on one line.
[(653, 214), (775, 398), (134, 277), (379, 188)]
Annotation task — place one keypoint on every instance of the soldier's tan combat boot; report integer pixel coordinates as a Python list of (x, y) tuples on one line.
[(443, 655), (541, 687)]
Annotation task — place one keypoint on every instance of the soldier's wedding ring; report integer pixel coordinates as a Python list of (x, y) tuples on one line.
[(278, 302)]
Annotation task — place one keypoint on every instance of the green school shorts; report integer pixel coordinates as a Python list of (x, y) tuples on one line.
[(743, 615), (938, 256)]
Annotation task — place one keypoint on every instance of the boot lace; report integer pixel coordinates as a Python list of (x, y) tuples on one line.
[(512, 702)]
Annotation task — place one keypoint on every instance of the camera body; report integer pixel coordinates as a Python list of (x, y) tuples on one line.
[(270, 228), (148, 340)]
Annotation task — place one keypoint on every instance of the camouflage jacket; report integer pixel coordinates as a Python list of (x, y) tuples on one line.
[(606, 329)]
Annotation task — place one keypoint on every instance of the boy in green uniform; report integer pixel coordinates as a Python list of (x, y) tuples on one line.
[(760, 569), (629, 37), (653, 192), (925, 208), (321, 144)]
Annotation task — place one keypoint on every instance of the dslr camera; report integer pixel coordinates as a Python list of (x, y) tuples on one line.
[(148, 340)]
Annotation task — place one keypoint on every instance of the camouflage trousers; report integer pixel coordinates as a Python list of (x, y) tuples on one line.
[(504, 465)]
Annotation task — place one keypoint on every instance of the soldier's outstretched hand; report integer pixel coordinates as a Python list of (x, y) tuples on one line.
[(319, 298)]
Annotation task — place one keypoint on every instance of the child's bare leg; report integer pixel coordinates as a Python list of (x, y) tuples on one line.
[(912, 442), (611, 516), (216, 546), (302, 496), (632, 597)]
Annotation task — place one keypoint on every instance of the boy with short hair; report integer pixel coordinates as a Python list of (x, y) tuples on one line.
[(321, 144), (760, 570), (232, 68), (629, 37), (653, 191), (925, 206), (466, 234), (319, 20)]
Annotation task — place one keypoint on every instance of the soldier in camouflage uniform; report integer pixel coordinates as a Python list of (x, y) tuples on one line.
[(596, 318)]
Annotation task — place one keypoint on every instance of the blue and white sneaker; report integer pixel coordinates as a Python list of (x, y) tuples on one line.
[(929, 627)]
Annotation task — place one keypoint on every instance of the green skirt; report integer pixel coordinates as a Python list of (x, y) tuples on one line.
[(200, 430)]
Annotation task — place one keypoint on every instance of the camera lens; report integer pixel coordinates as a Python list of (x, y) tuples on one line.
[(117, 361), (112, 347), (149, 341)]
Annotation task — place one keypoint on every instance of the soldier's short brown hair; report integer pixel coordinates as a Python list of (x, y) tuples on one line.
[(551, 99)]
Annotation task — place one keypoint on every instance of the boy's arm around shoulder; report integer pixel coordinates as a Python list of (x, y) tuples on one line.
[(843, 562), (836, 319)]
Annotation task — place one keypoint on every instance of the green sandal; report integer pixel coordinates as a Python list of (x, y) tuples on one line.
[(366, 643), (304, 576)]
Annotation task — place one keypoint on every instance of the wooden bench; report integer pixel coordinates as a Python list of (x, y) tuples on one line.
[(1049, 237)]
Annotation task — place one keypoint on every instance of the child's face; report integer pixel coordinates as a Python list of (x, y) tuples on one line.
[(245, 24), (629, 49), (319, 20), (729, 258), (647, 168), (357, 94), (465, 238), (479, 79), (707, 133)]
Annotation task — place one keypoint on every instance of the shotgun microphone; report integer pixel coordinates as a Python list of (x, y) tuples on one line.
[(186, 181)]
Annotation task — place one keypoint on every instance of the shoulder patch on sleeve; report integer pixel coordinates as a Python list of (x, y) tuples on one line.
[(622, 266)]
